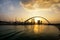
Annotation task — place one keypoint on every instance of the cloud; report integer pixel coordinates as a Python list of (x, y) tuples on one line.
[(32, 4), (55, 8), (11, 7)]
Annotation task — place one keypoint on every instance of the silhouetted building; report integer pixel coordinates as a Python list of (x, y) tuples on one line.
[(39, 22), (33, 21)]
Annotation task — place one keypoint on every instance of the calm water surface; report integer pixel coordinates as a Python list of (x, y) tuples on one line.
[(29, 32)]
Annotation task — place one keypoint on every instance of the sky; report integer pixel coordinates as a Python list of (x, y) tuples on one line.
[(25, 9)]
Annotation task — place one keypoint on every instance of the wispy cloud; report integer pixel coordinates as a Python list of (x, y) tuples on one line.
[(9, 9), (38, 3)]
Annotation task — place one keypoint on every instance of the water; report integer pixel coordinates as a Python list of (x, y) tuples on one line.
[(29, 32)]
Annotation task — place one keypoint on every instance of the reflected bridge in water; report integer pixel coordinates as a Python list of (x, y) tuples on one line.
[(29, 32)]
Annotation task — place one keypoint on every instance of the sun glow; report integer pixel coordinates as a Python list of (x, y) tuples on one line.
[(36, 19)]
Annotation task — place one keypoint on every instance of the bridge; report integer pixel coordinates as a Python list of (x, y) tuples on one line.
[(37, 17)]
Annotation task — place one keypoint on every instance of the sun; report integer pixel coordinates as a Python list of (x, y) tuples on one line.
[(36, 19)]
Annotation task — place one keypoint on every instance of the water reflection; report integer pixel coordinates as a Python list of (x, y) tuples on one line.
[(29, 32), (42, 29)]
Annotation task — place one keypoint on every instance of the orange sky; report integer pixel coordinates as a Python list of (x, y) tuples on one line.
[(24, 9)]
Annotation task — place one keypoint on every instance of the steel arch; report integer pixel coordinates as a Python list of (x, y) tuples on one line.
[(39, 17)]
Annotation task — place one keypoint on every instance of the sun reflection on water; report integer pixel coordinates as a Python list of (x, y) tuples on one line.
[(42, 30), (38, 29)]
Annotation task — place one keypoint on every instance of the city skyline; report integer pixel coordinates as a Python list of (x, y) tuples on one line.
[(16, 9)]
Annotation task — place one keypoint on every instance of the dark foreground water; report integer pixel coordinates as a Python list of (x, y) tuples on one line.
[(29, 32)]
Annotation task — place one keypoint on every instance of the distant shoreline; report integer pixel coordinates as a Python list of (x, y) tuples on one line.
[(29, 24), (24, 23)]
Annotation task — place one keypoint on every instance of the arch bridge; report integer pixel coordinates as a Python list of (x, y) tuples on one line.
[(37, 17)]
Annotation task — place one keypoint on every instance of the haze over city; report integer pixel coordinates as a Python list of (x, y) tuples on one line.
[(29, 19), (22, 10)]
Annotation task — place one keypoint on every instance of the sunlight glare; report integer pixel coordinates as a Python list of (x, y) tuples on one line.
[(36, 19)]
